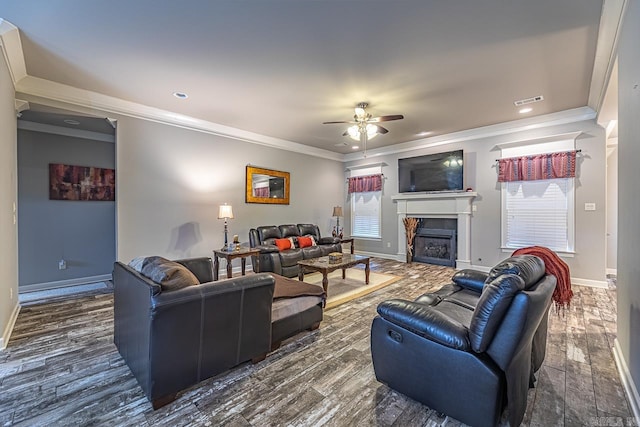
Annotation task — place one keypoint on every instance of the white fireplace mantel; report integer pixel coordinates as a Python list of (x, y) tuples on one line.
[(438, 205)]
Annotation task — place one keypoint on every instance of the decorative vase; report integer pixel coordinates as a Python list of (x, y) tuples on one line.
[(334, 233), (341, 235)]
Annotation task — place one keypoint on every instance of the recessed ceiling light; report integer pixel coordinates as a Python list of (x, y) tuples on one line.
[(525, 110), (355, 147), (180, 95), (71, 122), (425, 133)]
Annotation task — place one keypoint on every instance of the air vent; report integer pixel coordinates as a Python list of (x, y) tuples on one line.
[(529, 100)]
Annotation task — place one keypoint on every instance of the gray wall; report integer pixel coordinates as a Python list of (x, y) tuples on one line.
[(8, 246), (171, 181), (81, 232), (612, 208), (629, 191), (480, 174)]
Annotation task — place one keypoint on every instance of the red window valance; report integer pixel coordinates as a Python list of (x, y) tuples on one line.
[(539, 166), (363, 184)]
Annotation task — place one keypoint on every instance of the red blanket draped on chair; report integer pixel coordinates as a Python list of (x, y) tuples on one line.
[(553, 265)]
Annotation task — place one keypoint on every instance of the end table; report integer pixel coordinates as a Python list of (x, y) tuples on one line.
[(348, 240), (242, 253)]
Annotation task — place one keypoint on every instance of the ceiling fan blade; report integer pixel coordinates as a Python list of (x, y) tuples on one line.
[(386, 118), (341, 121), (381, 130)]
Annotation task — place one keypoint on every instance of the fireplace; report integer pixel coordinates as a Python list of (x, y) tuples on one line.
[(455, 205), (435, 246)]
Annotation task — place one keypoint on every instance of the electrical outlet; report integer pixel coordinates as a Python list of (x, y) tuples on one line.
[(474, 208), (62, 265), (589, 206), (388, 244)]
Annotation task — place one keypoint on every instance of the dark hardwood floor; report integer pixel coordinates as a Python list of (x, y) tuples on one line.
[(62, 368)]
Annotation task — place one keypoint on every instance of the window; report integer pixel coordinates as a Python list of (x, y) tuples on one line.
[(365, 217), (366, 208), (539, 213)]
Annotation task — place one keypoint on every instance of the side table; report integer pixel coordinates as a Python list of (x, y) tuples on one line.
[(348, 240), (243, 254)]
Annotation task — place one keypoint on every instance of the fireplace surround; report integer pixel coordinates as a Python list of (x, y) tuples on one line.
[(454, 205)]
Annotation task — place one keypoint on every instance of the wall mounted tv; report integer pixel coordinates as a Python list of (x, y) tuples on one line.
[(433, 172)]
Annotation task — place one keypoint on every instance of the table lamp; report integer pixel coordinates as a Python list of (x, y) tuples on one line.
[(225, 212), (337, 212)]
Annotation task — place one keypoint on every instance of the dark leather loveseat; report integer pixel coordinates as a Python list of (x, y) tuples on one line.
[(469, 349), (173, 339), (285, 262)]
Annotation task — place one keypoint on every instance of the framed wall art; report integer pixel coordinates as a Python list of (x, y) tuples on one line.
[(83, 183)]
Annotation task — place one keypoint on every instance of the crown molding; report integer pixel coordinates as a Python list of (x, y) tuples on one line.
[(47, 89), (60, 130), (530, 123), (541, 140), (606, 50), (12, 51)]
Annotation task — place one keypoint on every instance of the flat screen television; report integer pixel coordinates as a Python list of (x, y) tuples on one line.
[(433, 172)]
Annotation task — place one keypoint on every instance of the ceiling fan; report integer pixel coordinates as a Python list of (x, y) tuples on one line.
[(364, 127)]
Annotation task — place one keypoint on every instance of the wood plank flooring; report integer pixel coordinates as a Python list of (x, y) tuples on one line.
[(62, 368)]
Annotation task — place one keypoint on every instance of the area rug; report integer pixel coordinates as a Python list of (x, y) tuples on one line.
[(343, 290)]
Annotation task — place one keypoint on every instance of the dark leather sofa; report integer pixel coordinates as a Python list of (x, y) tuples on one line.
[(174, 339), (285, 263), (469, 349)]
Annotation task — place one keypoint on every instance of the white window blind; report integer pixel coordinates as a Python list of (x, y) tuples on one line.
[(366, 208), (537, 213), (365, 221)]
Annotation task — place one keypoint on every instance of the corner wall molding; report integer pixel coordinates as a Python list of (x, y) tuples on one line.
[(520, 125), (606, 50), (541, 140), (48, 90), (64, 283), (11, 47), (6, 334), (51, 93), (627, 381), (59, 130), (590, 283)]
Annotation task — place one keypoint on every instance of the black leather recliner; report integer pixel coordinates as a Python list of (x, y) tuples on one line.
[(285, 263), (470, 349), (174, 339)]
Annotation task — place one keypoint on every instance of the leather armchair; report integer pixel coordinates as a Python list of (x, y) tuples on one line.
[(471, 348), (172, 340), (285, 263)]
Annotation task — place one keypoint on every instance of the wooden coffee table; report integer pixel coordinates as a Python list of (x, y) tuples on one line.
[(325, 267)]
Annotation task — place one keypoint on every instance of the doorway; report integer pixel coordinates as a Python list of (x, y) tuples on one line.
[(64, 240)]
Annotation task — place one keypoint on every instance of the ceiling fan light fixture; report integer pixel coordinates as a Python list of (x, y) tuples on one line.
[(354, 132), (372, 131)]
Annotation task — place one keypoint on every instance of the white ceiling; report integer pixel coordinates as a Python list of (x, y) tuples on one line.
[(280, 68)]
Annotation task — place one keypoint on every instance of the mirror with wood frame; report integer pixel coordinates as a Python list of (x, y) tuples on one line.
[(266, 186)]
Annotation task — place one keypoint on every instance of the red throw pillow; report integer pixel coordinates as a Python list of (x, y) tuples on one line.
[(305, 242), (283, 244)]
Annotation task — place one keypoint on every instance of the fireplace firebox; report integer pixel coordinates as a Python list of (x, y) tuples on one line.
[(435, 246)]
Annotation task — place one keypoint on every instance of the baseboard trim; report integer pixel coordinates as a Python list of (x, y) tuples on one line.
[(590, 283), (627, 382), (64, 283), (6, 334)]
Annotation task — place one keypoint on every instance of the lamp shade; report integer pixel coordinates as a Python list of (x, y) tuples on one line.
[(337, 211), (225, 211)]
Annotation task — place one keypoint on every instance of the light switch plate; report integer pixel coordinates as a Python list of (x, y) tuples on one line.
[(589, 206)]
